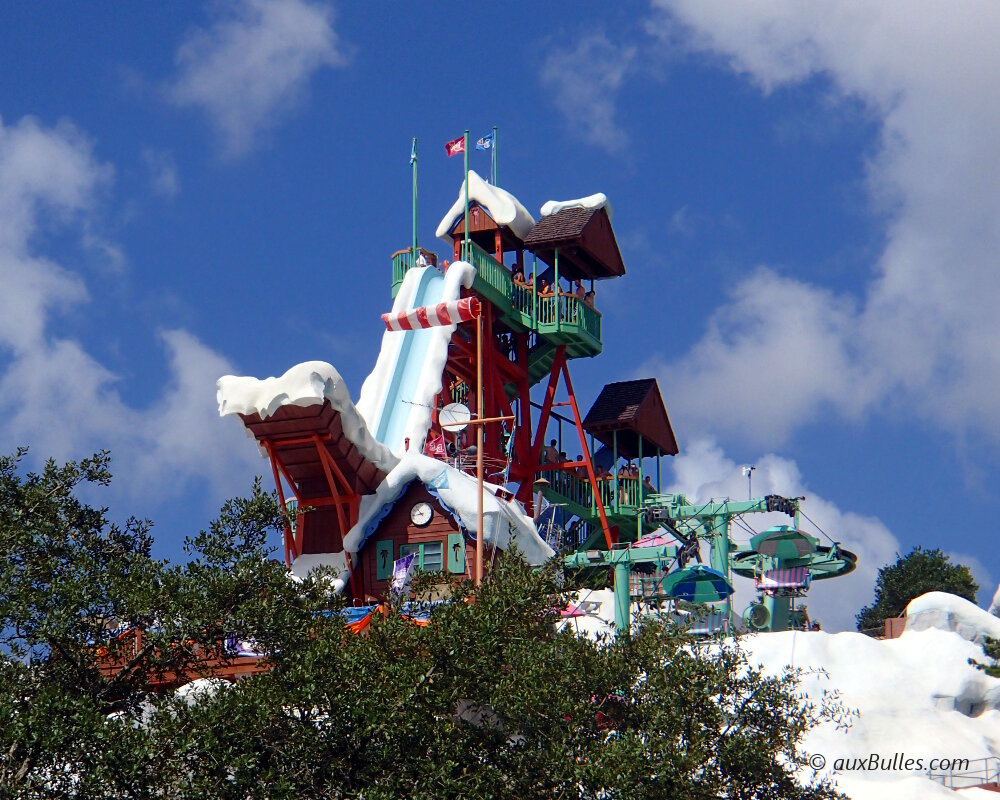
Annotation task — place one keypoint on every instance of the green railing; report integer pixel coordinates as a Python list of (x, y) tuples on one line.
[(565, 313), (488, 270), (401, 263), (573, 311), (577, 490)]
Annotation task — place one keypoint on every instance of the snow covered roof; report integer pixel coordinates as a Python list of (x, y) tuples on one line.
[(501, 205), (308, 384), (591, 203), (504, 520)]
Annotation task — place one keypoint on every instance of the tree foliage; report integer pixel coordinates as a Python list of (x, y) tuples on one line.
[(918, 572), (491, 699)]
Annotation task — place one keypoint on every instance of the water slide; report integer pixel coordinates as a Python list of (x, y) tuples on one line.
[(398, 396)]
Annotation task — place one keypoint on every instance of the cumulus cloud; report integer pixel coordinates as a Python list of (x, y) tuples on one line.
[(704, 472), (920, 336), (584, 81), (54, 395), (163, 177), (251, 68)]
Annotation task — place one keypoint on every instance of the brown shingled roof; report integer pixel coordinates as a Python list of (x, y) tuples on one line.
[(585, 240), (631, 409)]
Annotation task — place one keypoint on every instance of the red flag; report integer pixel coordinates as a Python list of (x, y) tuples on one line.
[(455, 146)]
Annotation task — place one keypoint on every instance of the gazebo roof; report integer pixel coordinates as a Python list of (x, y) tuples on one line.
[(585, 241), (630, 409)]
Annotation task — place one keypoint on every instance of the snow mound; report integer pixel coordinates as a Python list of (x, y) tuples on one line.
[(501, 205), (307, 562), (916, 697), (505, 521), (307, 384), (948, 612), (995, 605), (199, 688), (591, 203)]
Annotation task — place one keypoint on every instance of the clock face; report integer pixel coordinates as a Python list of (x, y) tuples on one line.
[(421, 514)]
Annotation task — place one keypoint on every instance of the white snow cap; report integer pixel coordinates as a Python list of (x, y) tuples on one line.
[(949, 612), (307, 384), (591, 203), (917, 695), (307, 562), (995, 605), (504, 520), (502, 205)]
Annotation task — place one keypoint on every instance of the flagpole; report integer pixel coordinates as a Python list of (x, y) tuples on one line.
[(467, 255), (494, 164), (413, 164)]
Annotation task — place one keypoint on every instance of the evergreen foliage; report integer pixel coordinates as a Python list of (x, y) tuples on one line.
[(490, 700), (918, 572)]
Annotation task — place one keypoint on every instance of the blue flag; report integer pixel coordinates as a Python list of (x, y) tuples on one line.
[(486, 142)]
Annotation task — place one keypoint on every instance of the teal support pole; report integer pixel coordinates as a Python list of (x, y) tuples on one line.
[(495, 177), (413, 165), (534, 293), (640, 504), (622, 610), (614, 468), (659, 482), (555, 288), (720, 550)]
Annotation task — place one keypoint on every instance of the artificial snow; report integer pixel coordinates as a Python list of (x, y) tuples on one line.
[(591, 203), (995, 605), (307, 384), (501, 205), (505, 521), (949, 612), (307, 562), (917, 695)]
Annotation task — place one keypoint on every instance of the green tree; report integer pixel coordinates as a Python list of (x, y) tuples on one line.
[(918, 572), (490, 700)]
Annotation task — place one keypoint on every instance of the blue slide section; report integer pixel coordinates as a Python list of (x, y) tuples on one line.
[(409, 367)]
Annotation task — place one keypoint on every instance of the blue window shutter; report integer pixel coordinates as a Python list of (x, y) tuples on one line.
[(456, 553), (383, 560)]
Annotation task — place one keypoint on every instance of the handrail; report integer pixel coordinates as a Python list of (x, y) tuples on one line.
[(577, 490), (402, 262), (491, 271)]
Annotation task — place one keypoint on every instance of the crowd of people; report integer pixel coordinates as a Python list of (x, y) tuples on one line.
[(630, 490), (545, 289)]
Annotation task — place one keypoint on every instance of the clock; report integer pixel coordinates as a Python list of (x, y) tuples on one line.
[(421, 514)]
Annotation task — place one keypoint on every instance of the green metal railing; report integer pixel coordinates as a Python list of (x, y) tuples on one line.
[(564, 313), (573, 311), (401, 263), (628, 498), (489, 271)]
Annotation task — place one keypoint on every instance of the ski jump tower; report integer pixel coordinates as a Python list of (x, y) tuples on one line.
[(347, 466), (531, 336)]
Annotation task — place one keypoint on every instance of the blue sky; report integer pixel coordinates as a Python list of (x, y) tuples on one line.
[(805, 196)]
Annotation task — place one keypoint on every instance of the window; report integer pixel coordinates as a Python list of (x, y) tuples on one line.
[(430, 555)]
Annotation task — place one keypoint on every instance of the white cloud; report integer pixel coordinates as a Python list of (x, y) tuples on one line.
[(163, 175), (252, 67), (55, 396), (585, 81), (704, 471), (921, 335)]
